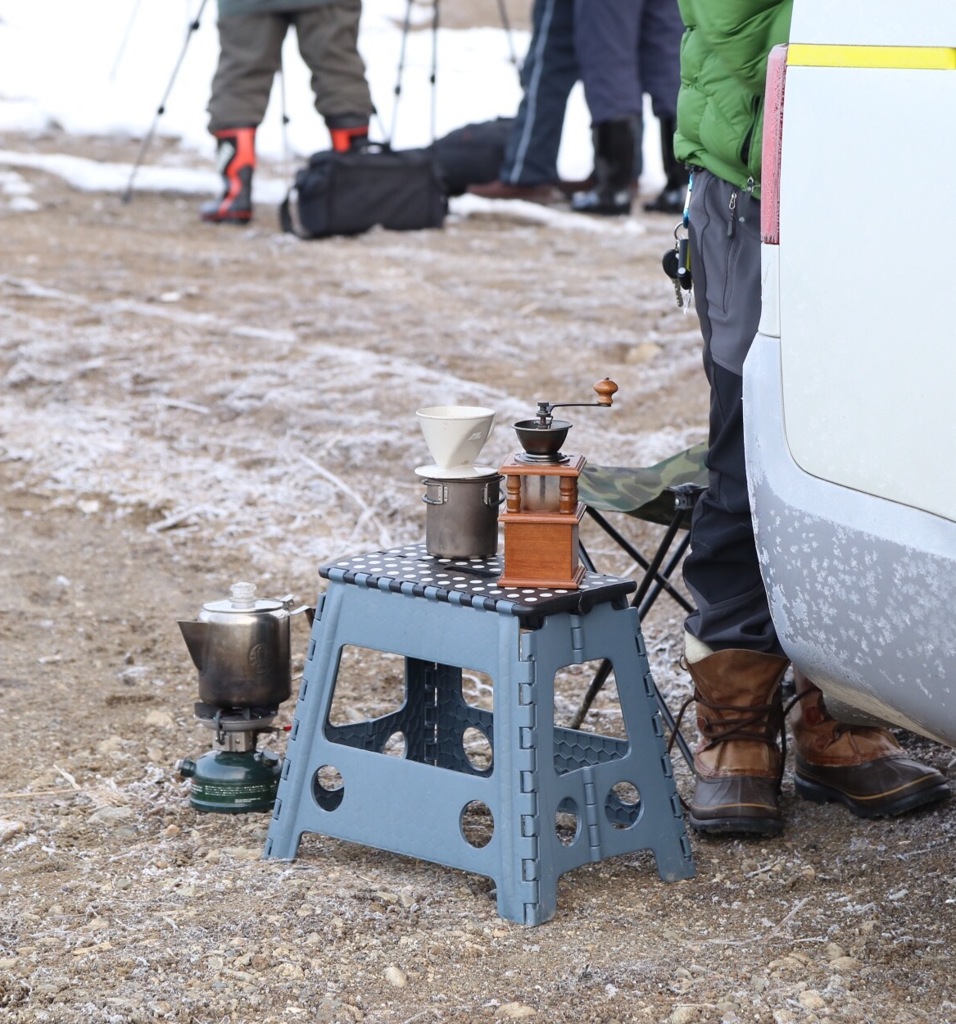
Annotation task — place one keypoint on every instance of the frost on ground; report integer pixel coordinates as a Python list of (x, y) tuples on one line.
[(185, 406)]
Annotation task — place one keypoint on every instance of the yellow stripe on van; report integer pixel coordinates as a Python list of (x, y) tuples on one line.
[(928, 58)]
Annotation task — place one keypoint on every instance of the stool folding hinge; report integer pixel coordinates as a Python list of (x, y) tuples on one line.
[(527, 651), (526, 754), (528, 780), (430, 678), (658, 726), (648, 681), (577, 637), (592, 820)]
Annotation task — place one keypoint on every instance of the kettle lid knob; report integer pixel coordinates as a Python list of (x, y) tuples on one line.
[(243, 595)]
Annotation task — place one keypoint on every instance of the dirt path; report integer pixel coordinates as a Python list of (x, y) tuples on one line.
[(185, 406)]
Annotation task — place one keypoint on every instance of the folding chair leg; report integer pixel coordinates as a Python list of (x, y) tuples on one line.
[(626, 545), (655, 591), (651, 575), (600, 678), (676, 735), (652, 585), (597, 684)]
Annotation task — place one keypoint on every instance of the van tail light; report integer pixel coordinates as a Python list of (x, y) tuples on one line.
[(772, 146)]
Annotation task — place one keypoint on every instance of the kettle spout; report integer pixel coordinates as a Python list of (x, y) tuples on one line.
[(194, 633)]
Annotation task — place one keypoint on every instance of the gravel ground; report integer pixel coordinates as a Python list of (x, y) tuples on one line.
[(184, 406)]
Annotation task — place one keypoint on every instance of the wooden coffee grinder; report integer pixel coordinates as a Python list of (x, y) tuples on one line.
[(542, 512)]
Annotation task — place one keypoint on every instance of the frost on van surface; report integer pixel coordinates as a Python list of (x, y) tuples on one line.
[(862, 611)]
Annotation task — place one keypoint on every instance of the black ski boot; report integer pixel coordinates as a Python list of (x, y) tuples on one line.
[(671, 199), (613, 171), (237, 161)]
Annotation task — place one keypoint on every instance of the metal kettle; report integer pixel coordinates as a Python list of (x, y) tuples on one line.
[(241, 648)]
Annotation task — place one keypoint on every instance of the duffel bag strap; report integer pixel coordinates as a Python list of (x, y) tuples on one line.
[(285, 215)]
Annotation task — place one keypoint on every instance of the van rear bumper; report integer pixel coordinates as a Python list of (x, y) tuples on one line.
[(870, 618)]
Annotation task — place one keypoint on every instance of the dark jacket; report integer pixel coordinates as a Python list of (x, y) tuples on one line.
[(228, 8), (723, 72)]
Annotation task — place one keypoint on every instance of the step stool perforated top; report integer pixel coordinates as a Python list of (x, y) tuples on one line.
[(473, 582)]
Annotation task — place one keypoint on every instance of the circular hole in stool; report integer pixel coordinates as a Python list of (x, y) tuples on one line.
[(395, 745), (623, 805), (328, 787), (477, 824), (567, 823), (477, 749)]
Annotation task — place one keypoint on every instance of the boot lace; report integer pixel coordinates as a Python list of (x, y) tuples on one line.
[(741, 726)]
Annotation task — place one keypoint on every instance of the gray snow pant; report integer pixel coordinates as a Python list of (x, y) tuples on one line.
[(721, 569), (251, 54)]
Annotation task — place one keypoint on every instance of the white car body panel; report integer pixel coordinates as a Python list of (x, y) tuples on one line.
[(849, 407), (868, 345)]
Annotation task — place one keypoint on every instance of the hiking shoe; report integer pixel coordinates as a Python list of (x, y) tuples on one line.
[(544, 194)]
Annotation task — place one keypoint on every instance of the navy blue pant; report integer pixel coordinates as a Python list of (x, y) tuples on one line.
[(627, 48), (721, 569), (548, 75)]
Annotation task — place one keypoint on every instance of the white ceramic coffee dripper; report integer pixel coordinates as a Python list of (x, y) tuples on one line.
[(455, 435)]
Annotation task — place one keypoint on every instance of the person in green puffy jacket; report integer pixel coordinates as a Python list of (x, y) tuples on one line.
[(731, 649), (251, 33)]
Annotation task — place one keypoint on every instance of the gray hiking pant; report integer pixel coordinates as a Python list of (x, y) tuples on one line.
[(251, 54), (721, 569)]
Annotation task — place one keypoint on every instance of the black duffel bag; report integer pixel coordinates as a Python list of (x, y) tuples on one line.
[(348, 193), (472, 154)]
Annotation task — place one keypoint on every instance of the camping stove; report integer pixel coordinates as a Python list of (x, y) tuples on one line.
[(241, 648)]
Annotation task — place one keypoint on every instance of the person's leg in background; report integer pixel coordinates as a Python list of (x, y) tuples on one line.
[(328, 42), (250, 54), (529, 169), (606, 34), (659, 62)]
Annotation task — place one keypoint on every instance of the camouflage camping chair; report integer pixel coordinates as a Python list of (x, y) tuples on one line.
[(665, 494)]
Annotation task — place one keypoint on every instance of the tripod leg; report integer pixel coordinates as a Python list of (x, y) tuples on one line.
[(433, 77), (122, 46), (506, 25), (406, 28), (193, 25)]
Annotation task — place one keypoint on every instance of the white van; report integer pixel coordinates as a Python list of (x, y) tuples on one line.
[(850, 387)]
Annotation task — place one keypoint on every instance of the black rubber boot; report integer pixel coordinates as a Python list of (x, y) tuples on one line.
[(671, 199), (613, 171), (237, 161)]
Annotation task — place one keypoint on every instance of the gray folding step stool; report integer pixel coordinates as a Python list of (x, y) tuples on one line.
[(443, 616)]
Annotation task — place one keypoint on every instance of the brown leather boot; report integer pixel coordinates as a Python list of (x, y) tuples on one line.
[(860, 766), (738, 763), (544, 194)]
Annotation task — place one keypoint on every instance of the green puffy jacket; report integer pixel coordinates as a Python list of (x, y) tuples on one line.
[(232, 7), (723, 71)]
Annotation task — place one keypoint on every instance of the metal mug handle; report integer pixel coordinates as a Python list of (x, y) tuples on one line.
[(431, 501), (489, 502)]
